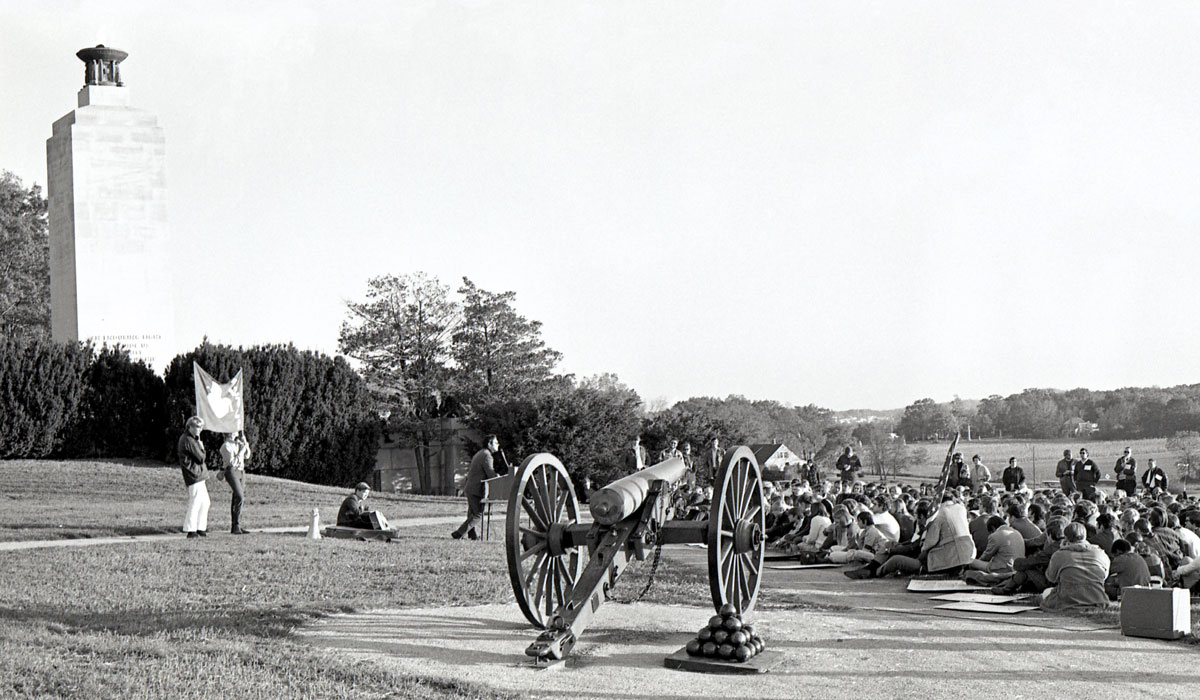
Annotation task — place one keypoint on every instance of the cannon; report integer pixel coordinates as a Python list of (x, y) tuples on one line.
[(562, 568)]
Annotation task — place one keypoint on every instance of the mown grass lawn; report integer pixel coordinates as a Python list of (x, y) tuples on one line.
[(212, 618), (42, 500)]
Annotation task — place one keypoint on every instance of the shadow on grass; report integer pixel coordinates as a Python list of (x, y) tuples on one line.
[(48, 531), (266, 623)]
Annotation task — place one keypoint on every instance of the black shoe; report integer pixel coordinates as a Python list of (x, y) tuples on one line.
[(202, 533), (239, 531), (864, 572), (192, 535), (471, 535), (456, 535)]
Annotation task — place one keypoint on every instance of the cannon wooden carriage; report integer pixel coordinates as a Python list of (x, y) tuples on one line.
[(562, 567)]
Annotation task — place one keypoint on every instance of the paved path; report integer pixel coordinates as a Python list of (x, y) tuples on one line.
[(91, 541), (838, 639)]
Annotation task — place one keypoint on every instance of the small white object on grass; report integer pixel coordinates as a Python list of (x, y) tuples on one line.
[(314, 529)]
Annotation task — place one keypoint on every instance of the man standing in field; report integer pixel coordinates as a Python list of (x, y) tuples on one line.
[(848, 466), (1126, 470), (474, 488), (1065, 471), (1014, 476), (1154, 478), (1087, 473)]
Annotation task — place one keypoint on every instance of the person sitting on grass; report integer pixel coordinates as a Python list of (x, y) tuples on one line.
[(808, 539), (1030, 571), (869, 542), (1128, 568), (1078, 571), (947, 546), (354, 513), (1019, 520), (1107, 532), (1004, 546)]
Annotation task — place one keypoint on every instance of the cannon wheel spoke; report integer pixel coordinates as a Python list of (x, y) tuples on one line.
[(542, 497), (734, 576)]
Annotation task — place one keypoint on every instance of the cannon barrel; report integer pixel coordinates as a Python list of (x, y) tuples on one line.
[(623, 497)]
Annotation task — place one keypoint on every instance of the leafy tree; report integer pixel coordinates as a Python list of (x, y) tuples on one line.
[(926, 419), (401, 336), (585, 425), (1186, 446), (24, 259), (498, 352), (885, 456)]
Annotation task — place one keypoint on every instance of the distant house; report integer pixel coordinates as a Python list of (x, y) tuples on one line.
[(1077, 427), (450, 455), (775, 456)]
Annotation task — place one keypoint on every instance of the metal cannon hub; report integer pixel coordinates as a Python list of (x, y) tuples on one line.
[(559, 590)]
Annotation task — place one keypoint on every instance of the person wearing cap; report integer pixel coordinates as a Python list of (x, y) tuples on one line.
[(353, 512), (192, 462), (474, 488)]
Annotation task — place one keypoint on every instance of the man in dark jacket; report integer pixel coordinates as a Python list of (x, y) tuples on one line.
[(474, 488), (1154, 478), (195, 473), (1014, 476), (1087, 474), (353, 512)]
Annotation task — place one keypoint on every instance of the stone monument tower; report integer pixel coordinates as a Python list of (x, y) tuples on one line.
[(110, 269)]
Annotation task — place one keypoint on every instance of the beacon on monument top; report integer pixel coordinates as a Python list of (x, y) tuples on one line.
[(102, 65)]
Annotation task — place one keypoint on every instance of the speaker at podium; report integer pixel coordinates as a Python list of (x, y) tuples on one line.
[(496, 490)]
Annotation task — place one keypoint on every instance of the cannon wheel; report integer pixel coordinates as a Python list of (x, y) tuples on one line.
[(541, 504), (737, 524)]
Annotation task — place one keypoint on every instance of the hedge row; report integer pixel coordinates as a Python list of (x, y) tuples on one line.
[(308, 416)]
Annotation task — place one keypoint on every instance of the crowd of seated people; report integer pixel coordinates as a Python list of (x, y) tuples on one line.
[(1074, 549)]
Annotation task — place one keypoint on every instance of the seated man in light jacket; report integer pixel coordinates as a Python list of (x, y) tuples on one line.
[(948, 544)]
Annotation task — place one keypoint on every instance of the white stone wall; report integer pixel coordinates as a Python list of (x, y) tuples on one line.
[(110, 275)]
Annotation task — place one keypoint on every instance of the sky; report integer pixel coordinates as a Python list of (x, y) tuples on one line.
[(852, 204)]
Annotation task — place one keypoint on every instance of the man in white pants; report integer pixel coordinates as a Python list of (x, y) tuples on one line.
[(191, 461)]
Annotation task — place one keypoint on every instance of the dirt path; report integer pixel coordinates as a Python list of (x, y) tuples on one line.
[(91, 541), (886, 642)]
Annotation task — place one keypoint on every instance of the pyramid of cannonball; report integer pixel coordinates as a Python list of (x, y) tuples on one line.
[(727, 638)]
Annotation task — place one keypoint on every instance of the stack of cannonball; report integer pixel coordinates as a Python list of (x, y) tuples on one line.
[(727, 638)]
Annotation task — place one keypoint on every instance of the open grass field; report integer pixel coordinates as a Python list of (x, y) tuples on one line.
[(1038, 457), (52, 500), (212, 618)]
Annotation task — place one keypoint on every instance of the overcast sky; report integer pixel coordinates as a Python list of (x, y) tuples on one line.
[(848, 204)]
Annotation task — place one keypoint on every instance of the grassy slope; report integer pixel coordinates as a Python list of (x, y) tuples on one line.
[(41, 500)]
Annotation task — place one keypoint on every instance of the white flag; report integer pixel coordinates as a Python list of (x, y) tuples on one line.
[(220, 405)]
